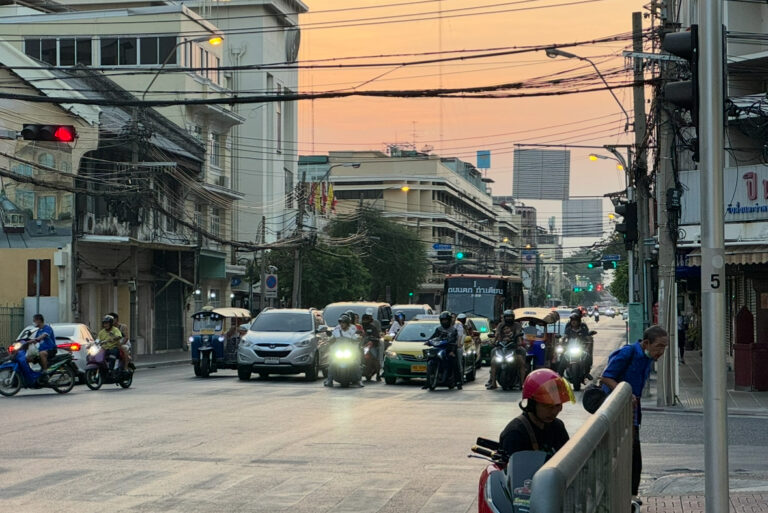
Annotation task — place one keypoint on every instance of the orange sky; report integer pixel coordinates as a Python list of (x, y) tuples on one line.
[(469, 124)]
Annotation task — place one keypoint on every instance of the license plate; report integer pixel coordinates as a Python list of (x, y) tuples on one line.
[(271, 361), (418, 368)]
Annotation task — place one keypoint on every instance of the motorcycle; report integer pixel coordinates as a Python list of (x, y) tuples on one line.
[(507, 371), (345, 361), (105, 367), (15, 372), (439, 370), (371, 363), (505, 484), (575, 361)]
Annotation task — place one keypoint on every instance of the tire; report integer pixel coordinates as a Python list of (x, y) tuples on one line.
[(390, 380), (196, 366), (127, 381), (243, 373), (311, 374), (325, 372), (205, 365), (64, 380), (472, 375), (432, 380), (12, 386), (93, 379)]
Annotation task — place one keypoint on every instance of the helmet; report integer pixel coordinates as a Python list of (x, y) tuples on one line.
[(545, 386), (351, 314), (461, 317), (344, 318), (575, 315), (445, 315), (367, 317), (109, 319), (399, 315), (508, 312), (508, 317)]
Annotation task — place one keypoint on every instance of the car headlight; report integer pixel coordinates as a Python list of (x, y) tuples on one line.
[(247, 343), (391, 354), (343, 354), (574, 351), (191, 339), (303, 343), (221, 339), (559, 349)]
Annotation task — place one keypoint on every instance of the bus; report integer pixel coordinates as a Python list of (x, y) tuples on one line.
[(482, 295)]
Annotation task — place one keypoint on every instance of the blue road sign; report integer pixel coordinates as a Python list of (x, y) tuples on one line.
[(611, 257), (438, 246)]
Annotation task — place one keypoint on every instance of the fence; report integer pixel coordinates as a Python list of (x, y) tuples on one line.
[(11, 323), (592, 473)]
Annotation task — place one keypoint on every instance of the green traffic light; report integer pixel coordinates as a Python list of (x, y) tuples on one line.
[(410, 294), (459, 255), (590, 265)]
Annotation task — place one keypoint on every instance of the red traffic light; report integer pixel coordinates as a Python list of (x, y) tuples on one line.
[(58, 133)]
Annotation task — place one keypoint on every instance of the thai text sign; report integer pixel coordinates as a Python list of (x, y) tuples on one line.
[(745, 195)]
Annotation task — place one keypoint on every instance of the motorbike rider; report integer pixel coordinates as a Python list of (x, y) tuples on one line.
[(577, 328), (447, 331), (125, 343), (508, 329), (344, 329), (371, 333), (538, 428), (110, 337), (354, 318), (397, 324), (46, 342)]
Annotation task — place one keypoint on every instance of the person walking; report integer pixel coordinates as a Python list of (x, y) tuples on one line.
[(682, 328), (632, 363)]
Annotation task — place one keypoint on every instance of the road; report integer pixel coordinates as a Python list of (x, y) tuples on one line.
[(177, 443)]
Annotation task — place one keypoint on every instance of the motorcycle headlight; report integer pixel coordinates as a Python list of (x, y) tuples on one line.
[(221, 339), (17, 346), (509, 357), (497, 358), (574, 351), (93, 350), (392, 354), (343, 354), (559, 349), (191, 339), (303, 343)]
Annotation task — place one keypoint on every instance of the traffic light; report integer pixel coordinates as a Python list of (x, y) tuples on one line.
[(599, 287), (459, 255), (628, 227), (591, 287), (60, 133), (410, 294), (610, 264), (577, 289), (684, 94)]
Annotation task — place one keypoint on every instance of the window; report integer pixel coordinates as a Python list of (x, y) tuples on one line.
[(46, 159), (215, 221), (109, 51), (22, 169), (149, 54), (70, 51), (32, 48), (66, 52), (215, 73), (48, 51), (83, 51), (279, 122), (197, 132), (46, 207), (215, 150), (288, 189), (199, 216), (44, 279), (127, 55), (214, 296), (167, 49), (25, 200)]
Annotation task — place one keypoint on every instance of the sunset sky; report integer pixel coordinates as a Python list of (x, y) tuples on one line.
[(469, 124)]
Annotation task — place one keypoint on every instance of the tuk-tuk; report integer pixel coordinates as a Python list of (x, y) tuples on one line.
[(539, 335), (214, 340)]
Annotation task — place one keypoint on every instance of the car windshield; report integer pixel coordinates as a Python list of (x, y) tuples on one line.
[(332, 313), (65, 331), (417, 332), (409, 312), (481, 325), (206, 323), (282, 321)]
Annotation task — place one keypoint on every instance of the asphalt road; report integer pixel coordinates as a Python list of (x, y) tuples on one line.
[(182, 444)]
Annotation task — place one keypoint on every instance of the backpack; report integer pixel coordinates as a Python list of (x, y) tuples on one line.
[(594, 395)]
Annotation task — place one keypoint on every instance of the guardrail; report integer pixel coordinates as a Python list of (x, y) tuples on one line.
[(592, 473)]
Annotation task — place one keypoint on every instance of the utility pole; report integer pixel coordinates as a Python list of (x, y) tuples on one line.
[(263, 264), (133, 283), (665, 184), (296, 299), (713, 254), (641, 165)]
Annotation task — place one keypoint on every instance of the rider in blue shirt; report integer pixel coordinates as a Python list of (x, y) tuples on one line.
[(45, 339)]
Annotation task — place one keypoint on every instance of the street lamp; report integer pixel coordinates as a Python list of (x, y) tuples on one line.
[(345, 164), (594, 157), (211, 40), (403, 188), (553, 53)]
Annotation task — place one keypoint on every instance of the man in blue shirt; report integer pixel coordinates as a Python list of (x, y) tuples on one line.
[(45, 339), (632, 363)]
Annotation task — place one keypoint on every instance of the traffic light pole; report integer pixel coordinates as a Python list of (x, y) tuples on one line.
[(712, 254)]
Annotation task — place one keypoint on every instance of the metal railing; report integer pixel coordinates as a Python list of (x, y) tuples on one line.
[(11, 323), (592, 472)]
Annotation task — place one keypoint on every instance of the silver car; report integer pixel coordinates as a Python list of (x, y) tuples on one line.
[(284, 341)]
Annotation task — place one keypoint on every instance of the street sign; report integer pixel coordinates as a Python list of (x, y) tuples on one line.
[(611, 257), (439, 246), (270, 281), (529, 254)]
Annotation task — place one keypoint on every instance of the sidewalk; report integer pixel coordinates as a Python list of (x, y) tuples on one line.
[(691, 393), (164, 359), (740, 503)]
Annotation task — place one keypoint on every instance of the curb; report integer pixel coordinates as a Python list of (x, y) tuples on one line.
[(154, 365)]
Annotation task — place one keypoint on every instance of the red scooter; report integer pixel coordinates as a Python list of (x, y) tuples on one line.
[(371, 363), (505, 484)]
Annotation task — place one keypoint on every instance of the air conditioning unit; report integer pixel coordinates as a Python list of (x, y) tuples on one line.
[(89, 222), (222, 181)]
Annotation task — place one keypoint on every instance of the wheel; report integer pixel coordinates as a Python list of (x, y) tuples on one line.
[(472, 375), (263, 375), (432, 380), (390, 380), (325, 372), (93, 379), (243, 372), (196, 366), (10, 382), (62, 380), (205, 365), (127, 381), (311, 374)]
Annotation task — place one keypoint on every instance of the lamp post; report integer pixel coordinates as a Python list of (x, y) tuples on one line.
[(403, 188), (553, 53), (212, 40)]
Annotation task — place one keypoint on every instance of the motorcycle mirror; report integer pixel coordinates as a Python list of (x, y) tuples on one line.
[(593, 332)]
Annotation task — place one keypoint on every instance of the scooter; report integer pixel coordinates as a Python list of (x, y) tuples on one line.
[(15, 372), (105, 367), (507, 372), (439, 370), (535, 357), (505, 484), (345, 361), (575, 361), (371, 365)]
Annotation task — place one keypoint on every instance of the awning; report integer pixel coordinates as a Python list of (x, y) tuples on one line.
[(735, 255), (213, 264)]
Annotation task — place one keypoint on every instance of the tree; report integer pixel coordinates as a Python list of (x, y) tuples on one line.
[(620, 285), (329, 274), (391, 252)]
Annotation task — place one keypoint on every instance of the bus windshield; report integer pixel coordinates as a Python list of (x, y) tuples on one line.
[(481, 296)]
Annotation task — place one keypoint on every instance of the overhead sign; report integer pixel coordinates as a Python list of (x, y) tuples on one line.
[(529, 254), (745, 195), (611, 257), (270, 282), (438, 246), (483, 159)]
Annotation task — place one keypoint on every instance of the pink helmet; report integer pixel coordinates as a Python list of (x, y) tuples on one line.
[(545, 386)]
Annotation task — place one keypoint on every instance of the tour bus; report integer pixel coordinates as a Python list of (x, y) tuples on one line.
[(482, 295)]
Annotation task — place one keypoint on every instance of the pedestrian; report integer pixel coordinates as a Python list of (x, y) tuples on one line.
[(682, 328), (632, 363)]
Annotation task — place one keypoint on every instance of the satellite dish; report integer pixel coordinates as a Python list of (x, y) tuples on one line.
[(427, 148), (292, 43)]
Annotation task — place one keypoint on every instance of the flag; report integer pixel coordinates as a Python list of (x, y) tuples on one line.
[(318, 197), (331, 199)]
